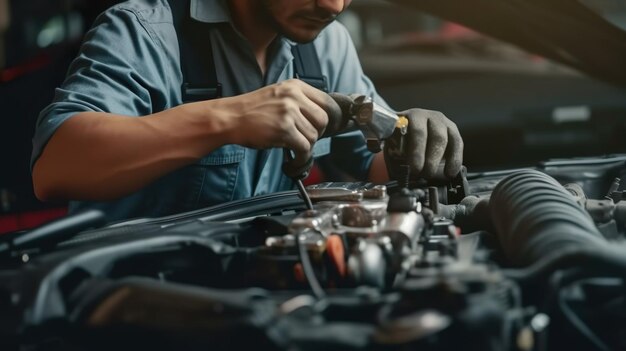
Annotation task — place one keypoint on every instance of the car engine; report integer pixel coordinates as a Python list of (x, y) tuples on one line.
[(528, 259)]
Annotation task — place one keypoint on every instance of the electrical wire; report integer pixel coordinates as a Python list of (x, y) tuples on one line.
[(307, 267), (554, 285), (601, 259), (579, 325), (558, 281)]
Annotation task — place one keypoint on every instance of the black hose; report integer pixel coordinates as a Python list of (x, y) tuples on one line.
[(601, 260), (540, 226), (536, 218)]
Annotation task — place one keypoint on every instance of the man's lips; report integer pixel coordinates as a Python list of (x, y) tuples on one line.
[(320, 21), (317, 20)]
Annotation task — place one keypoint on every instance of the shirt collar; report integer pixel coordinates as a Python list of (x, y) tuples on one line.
[(288, 42), (210, 11)]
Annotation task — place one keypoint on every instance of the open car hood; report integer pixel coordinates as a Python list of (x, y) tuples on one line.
[(565, 31)]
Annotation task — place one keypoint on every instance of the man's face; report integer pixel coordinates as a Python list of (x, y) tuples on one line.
[(302, 20)]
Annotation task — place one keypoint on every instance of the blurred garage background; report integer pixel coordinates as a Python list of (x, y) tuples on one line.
[(510, 105), (38, 40)]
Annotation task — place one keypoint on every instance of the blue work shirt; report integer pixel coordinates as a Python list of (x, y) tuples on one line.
[(129, 64)]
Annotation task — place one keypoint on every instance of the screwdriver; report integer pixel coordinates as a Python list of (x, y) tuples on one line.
[(297, 176)]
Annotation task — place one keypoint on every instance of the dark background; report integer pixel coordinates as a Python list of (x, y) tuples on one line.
[(42, 39)]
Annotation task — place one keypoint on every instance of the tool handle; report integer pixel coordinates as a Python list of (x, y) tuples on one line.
[(296, 172)]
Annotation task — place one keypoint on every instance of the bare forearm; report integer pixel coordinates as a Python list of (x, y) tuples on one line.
[(101, 156)]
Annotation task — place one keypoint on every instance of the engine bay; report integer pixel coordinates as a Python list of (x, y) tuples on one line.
[(528, 259)]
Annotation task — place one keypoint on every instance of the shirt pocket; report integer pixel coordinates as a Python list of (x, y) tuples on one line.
[(217, 175), (228, 154)]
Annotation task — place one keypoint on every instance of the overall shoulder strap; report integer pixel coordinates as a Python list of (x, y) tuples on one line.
[(198, 66), (307, 66), (196, 56)]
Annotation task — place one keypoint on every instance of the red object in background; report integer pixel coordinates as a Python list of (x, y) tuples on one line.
[(11, 73), (20, 221), (453, 30), (315, 176)]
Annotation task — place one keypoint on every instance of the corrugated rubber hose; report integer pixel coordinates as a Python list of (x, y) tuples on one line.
[(535, 217)]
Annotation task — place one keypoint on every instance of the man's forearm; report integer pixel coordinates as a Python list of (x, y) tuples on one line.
[(101, 156)]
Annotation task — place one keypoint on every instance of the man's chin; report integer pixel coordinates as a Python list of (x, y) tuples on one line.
[(302, 37), (303, 34)]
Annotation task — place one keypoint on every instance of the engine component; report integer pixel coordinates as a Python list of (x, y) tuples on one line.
[(535, 216), (360, 271)]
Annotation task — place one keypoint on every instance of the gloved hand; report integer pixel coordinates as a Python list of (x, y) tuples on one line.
[(339, 111), (430, 139)]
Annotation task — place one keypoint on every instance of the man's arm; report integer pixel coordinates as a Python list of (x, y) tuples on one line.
[(104, 135), (103, 156)]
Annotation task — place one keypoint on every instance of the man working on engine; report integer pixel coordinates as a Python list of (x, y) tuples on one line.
[(179, 156)]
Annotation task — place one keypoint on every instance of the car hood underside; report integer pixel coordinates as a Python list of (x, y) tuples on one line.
[(566, 31)]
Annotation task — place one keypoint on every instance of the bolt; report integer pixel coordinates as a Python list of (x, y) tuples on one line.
[(540, 322)]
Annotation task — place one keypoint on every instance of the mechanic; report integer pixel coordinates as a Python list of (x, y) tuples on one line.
[(180, 156)]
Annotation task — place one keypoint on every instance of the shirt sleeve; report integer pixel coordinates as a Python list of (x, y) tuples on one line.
[(342, 67), (119, 69)]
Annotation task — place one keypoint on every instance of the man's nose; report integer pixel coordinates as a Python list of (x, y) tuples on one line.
[(333, 6)]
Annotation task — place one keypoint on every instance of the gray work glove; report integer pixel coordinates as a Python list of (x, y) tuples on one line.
[(339, 110), (431, 139)]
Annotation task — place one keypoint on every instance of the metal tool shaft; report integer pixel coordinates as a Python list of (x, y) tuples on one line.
[(304, 194), (298, 180)]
